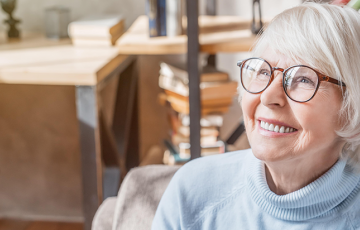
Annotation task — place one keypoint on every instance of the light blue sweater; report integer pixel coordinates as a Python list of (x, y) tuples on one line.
[(229, 191)]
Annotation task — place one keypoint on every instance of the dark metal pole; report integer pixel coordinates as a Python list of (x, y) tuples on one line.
[(192, 9), (211, 10), (236, 134)]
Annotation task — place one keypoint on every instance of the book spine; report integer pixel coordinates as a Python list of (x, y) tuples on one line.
[(152, 13), (173, 85), (161, 17), (173, 18)]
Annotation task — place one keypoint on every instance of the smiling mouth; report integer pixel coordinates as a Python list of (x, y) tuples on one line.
[(276, 128)]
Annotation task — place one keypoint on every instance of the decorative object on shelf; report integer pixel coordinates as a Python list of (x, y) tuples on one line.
[(57, 19), (256, 28), (8, 6)]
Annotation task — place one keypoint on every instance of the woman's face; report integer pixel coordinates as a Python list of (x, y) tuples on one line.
[(313, 123)]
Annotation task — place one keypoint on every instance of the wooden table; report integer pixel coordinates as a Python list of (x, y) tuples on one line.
[(103, 148)]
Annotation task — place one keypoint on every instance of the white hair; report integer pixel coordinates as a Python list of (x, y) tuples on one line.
[(327, 38)]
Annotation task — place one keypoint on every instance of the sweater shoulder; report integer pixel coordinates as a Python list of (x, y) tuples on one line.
[(235, 160), (214, 170), (353, 213), (205, 184)]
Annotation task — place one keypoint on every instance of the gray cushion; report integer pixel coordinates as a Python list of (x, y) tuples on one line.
[(139, 196), (104, 216)]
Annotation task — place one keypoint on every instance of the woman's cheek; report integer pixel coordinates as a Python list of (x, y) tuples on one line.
[(249, 104)]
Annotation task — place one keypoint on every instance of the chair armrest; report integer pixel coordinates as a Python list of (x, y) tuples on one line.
[(104, 216), (139, 196)]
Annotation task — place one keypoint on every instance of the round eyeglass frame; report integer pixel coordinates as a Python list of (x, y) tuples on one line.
[(321, 77)]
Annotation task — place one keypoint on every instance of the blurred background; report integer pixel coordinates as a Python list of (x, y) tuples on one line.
[(43, 102), (32, 13)]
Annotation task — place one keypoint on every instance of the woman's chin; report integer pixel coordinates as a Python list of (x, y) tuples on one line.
[(269, 154)]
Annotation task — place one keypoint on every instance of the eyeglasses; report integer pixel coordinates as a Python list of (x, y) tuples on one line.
[(300, 82)]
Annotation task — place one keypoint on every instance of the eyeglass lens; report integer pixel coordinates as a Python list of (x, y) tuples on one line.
[(300, 83)]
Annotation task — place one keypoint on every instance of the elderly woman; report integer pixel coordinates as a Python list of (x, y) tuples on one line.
[(301, 108)]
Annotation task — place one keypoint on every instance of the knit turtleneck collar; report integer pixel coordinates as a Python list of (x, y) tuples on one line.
[(330, 193)]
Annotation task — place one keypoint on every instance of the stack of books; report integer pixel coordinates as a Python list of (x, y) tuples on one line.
[(96, 30), (217, 93), (217, 90)]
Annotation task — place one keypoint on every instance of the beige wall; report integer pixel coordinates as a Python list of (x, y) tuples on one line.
[(31, 12)]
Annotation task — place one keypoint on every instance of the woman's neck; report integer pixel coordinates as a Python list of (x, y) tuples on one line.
[(290, 175)]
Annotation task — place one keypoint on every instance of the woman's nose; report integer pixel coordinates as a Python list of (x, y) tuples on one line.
[(274, 95)]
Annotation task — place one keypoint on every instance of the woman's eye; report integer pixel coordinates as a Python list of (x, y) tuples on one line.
[(305, 81), (265, 72)]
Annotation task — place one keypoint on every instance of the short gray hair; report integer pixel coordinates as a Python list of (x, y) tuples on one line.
[(325, 37)]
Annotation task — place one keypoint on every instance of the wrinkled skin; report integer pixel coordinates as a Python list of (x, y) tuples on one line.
[(293, 161)]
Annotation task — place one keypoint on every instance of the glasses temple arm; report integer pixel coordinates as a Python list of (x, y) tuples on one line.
[(332, 80)]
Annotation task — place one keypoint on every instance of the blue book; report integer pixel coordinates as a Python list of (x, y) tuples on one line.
[(152, 13), (179, 159), (161, 16)]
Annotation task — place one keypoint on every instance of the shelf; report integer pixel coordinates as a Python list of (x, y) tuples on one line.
[(217, 34), (30, 40), (59, 65)]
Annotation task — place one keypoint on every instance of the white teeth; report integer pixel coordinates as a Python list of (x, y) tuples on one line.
[(282, 129), (271, 127), (275, 128), (266, 125)]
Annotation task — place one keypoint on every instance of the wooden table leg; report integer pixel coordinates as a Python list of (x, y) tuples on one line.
[(125, 123), (91, 163), (104, 148)]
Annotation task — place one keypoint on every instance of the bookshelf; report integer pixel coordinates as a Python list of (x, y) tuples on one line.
[(217, 34), (206, 33)]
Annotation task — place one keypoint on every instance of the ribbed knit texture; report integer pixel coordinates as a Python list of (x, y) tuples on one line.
[(229, 191), (324, 196)]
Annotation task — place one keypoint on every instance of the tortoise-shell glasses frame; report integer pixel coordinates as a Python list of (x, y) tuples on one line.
[(321, 77)]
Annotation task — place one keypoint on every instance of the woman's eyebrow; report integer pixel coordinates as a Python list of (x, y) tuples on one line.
[(287, 64), (270, 62)]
